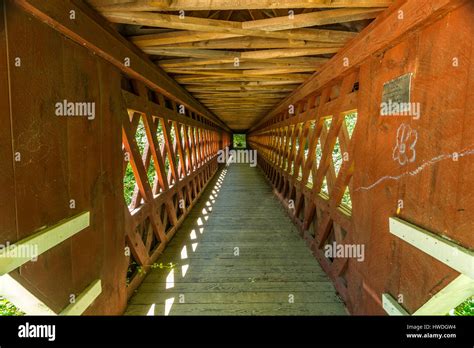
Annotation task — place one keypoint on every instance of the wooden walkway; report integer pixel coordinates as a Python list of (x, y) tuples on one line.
[(237, 254)]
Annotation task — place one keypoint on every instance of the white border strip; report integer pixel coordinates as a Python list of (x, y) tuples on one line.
[(41, 241), (84, 300), (449, 297), (391, 306), (442, 249)]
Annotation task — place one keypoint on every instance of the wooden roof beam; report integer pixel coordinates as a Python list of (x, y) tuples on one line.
[(240, 82), (271, 79), (238, 73), (313, 18), (187, 62), (177, 37), (226, 55), (241, 88), (239, 95), (193, 5), (246, 65), (275, 28), (186, 38), (249, 42)]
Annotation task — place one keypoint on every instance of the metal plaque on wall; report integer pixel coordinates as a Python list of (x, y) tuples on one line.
[(398, 92)]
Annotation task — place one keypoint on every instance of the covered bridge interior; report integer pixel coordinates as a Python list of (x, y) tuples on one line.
[(124, 192)]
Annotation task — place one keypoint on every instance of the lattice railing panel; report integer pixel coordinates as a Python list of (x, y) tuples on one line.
[(307, 155), (170, 154)]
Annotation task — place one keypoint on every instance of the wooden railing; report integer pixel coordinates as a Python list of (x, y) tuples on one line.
[(172, 153), (89, 166), (306, 154), (29, 249), (346, 186)]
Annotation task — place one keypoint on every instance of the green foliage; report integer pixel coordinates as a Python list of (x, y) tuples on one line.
[(240, 141), (346, 199), (133, 268), (7, 308), (351, 121), (161, 265), (337, 155), (156, 265), (129, 181), (128, 184), (464, 309)]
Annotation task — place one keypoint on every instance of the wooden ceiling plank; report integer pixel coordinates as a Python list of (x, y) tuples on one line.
[(261, 64), (239, 95), (193, 5), (241, 88), (237, 73), (209, 54), (237, 82), (312, 19), (296, 36), (261, 54), (251, 28), (177, 37), (248, 42), (285, 79), (285, 53), (187, 62)]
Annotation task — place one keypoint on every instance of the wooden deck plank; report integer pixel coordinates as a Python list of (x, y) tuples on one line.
[(273, 266), (231, 288), (254, 276), (245, 309), (145, 298)]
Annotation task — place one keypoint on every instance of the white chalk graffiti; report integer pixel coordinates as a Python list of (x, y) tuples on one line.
[(404, 151), (426, 164)]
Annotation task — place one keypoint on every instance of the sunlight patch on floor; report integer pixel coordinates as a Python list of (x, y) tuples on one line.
[(193, 243)]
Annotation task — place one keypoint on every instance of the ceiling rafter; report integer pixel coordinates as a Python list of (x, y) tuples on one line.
[(193, 5), (240, 58)]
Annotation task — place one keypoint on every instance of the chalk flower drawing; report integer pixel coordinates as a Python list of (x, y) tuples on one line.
[(404, 151)]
